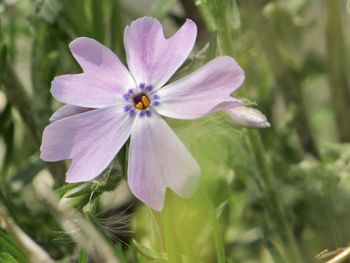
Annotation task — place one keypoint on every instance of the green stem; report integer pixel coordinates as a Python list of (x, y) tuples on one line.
[(225, 36), (337, 70), (18, 96), (275, 207), (97, 20), (328, 189), (191, 11), (218, 234), (116, 31), (33, 251), (166, 234), (157, 219), (284, 75), (170, 239), (264, 175)]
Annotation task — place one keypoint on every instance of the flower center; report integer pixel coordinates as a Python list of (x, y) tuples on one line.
[(141, 101)]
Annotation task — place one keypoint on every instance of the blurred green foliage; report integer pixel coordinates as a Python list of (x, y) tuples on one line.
[(275, 195)]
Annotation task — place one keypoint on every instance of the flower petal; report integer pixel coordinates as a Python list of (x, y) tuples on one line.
[(248, 117), (153, 59), (90, 139), (98, 60), (227, 104), (157, 160), (202, 91), (103, 82), (67, 111)]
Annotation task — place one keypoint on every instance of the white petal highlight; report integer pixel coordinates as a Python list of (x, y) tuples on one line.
[(67, 111), (103, 83), (99, 61), (153, 59), (202, 91), (157, 160), (91, 140)]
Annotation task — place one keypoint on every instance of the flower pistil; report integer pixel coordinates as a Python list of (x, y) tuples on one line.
[(140, 100)]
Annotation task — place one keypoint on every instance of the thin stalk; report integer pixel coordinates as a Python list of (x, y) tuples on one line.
[(337, 70), (341, 257), (329, 207), (98, 23), (283, 74), (275, 208), (191, 11), (224, 35), (116, 28), (166, 235), (264, 175), (157, 221), (18, 96), (33, 251), (170, 239), (81, 230), (218, 234)]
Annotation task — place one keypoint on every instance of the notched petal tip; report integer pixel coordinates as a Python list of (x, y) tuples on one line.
[(204, 91), (190, 22), (235, 69), (144, 19), (157, 206), (189, 187), (152, 58), (56, 89), (90, 139), (167, 164), (75, 43), (142, 22), (230, 60), (148, 19), (42, 154)]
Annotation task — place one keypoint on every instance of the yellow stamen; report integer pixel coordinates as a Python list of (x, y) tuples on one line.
[(139, 106), (145, 101), (141, 101)]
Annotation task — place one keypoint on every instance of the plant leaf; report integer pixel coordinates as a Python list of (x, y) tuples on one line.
[(3, 56), (149, 253), (8, 246), (8, 258)]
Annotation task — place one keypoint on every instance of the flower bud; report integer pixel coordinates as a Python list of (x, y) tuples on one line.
[(248, 117), (72, 198)]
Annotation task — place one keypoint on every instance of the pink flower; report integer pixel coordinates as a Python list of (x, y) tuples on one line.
[(108, 103)]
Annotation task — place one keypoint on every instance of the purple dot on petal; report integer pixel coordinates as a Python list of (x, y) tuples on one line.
[(132, 113), (142, 86), (149, 88), (142, 113), (126, 96), (131, 91), (127, 108), (156, 103), (156, 97), (148, 113)]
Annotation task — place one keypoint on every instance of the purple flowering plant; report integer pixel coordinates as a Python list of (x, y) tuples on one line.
[(145, 155), (109, 103)]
